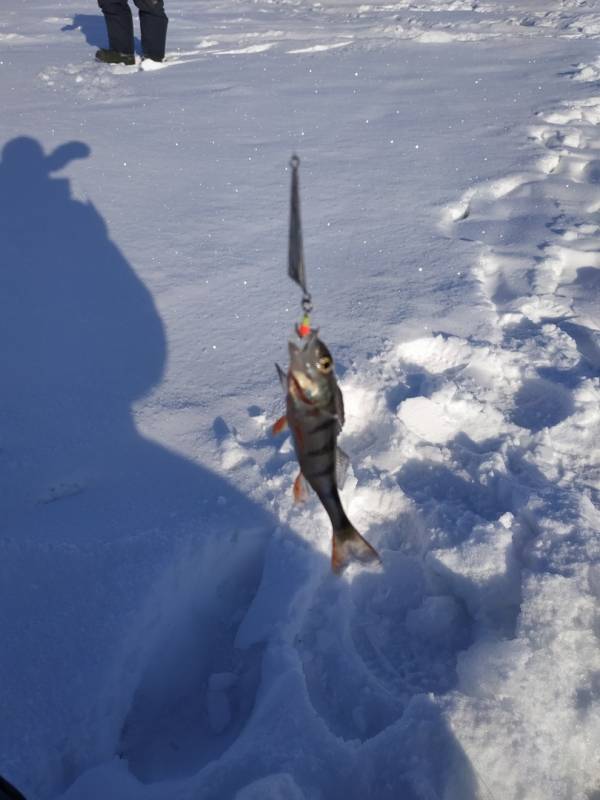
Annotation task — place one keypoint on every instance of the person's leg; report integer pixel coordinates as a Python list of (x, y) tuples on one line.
[(119, 25), (153, 26)]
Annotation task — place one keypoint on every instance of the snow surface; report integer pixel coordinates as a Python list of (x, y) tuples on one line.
[(170, 626)]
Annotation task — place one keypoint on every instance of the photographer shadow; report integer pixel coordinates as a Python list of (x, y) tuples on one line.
[(109, 542)]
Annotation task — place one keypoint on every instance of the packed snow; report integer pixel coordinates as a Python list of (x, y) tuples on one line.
[(170, 626)]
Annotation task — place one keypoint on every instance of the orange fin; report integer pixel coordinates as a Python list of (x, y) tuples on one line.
[(279, 426), (347, 545), (300, 489)]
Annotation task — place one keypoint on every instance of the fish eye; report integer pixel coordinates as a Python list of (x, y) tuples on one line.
[(325, 364)]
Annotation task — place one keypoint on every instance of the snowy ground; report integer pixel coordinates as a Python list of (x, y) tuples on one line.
[(170, 627)]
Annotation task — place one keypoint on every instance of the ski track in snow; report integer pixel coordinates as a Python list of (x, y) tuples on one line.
[(470, 476)]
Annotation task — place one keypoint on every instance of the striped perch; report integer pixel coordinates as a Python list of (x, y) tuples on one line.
[(315, 415)]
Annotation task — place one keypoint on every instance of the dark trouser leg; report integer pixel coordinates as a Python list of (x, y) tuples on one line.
[(153, 25), (119, 25)]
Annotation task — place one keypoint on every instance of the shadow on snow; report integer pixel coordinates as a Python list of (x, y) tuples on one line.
[(93, 28), (116, 552)]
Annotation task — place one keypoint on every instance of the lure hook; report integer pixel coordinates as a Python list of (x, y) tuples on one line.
[(296, 269)]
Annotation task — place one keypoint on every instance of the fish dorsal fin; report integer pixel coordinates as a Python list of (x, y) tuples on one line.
[(282, 377)]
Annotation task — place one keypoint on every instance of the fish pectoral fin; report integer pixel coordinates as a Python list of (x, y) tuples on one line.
[(279, 426), (347, 545), (342, 462), (300, 489)]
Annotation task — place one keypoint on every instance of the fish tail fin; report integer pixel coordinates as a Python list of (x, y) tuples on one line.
[(347, 545)]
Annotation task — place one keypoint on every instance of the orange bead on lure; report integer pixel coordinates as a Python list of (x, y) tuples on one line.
[(315, 412), (304, 327)]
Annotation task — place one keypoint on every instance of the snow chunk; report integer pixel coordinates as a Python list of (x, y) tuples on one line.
[(219, 711), (218, 705), (437, 353), (484, 573), (280, 786), (447, 413), (363, 405), (427, 420)]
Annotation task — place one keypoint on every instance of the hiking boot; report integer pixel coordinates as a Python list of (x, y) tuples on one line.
[(113, 57)]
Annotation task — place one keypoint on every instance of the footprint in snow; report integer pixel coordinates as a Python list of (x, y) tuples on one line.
[(198, 687), (381, 639)]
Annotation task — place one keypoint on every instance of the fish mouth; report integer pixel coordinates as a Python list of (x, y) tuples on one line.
[(308, 388), (307, 385)]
